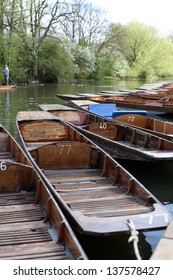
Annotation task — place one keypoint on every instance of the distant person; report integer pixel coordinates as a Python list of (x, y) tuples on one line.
[(6, 75)]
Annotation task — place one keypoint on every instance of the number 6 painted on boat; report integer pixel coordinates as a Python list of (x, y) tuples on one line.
[(3, 165)]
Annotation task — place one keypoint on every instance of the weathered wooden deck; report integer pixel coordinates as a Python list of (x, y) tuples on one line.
[(164, 249), (94, 194), (23, 232)]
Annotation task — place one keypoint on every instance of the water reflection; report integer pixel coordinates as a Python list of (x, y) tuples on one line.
[(114, 247), (157, 177)]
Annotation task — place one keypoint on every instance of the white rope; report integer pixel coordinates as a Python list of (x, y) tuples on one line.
[(134, 238)]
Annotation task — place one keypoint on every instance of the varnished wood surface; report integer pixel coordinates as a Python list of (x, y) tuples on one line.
[(32, 226), (121, 140), (96, 194), (158, 127), (138, 103)]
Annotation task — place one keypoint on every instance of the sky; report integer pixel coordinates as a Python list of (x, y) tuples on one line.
[(157, 13)]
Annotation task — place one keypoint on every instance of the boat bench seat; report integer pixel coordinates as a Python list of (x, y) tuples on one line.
[(3, 142), (5, 155), (104, 110)]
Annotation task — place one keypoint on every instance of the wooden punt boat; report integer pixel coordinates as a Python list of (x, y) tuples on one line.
[(32, 224), (69, 96), (4, 87), (78, 96), (162, 105), (163, 129), (97, 195), (111, 111), (155, 86), (117, 139), (136, 117)]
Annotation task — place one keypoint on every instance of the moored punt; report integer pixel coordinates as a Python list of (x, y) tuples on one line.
[(163, 129), (163, 105), (78, 96), (119, 140), (111, 111), (97, 195), (32, 224), (155, 86), (4, 87), (69, 96)]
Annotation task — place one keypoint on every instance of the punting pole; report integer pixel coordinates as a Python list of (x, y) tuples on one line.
[(12, 81)]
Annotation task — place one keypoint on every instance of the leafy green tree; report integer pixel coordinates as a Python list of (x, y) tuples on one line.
[(55, 63), (84, 59), (146, 52), (110, 61)]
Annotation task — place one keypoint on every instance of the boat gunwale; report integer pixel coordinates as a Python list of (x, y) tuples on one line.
[(70, 214)]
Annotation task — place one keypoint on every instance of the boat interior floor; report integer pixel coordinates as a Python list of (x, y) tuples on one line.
[(86, 190), (23, 232)]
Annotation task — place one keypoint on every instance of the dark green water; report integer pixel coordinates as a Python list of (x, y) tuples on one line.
[(157, 177)]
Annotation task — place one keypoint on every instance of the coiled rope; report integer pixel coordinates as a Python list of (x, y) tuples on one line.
[(134, 238)]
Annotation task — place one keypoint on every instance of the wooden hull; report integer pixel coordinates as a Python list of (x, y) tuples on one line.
[(6, 87), (97, 195), (69, 97), (32, 224), (135, 117), (157, 127), (138, 103), (119, 140)]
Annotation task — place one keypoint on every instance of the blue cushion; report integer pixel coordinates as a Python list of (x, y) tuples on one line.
[(125, 112), (104, 110)]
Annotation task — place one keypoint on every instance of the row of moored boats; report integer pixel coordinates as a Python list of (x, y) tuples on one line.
[(66, 178)]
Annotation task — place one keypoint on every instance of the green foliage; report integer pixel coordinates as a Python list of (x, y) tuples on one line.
[(55, 64), (102, 49), (84, 59), (147, 53)]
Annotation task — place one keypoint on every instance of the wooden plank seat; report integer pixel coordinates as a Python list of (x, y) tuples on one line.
[(73, 177), (5, 155)]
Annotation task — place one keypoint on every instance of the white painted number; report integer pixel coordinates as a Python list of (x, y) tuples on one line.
[(131, 118), (64, 149), (3, 165), (103, 125), (151, 217)]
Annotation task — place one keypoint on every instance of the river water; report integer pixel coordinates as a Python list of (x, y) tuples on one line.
[(157, 177)]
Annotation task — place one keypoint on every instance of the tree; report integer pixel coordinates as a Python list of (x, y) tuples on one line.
[(145, 51), (139, 38), (86, 24), (110, 60), (55, 63), (84, 59), (38, 18)]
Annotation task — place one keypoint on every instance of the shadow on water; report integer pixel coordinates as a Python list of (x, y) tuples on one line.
[(114, 247), (155, 176)]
